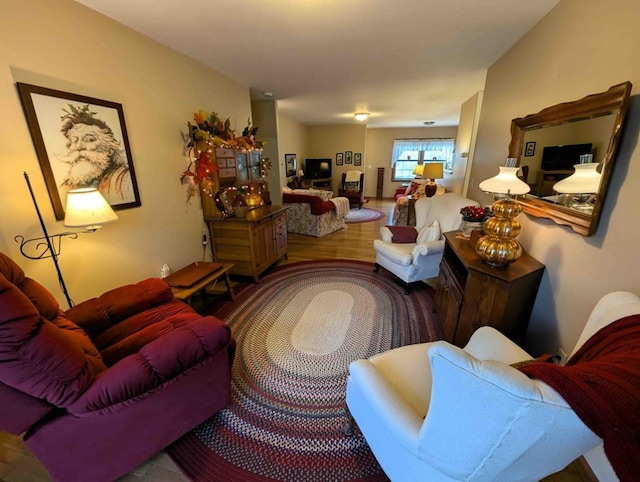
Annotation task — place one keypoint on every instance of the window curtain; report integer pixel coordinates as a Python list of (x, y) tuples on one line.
[(422, 149)]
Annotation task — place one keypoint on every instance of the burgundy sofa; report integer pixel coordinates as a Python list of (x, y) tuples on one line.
[(99, 389)]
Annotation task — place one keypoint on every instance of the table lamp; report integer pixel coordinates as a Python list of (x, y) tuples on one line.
[(432, 171), (499, 247), (417, 171), (582, 185)]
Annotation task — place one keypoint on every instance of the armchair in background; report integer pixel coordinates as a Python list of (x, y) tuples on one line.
[(352, 187), (433, 411), (99, 389), (416, 256)]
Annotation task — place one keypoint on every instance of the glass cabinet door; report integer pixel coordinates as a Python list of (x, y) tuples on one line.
[(254, 164), (242, 165)]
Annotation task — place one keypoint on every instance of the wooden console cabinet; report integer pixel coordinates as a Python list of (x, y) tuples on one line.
[(252, 243), (471, 294)]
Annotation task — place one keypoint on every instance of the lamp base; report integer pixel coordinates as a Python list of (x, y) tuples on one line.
[(430, 188), (499, 247)]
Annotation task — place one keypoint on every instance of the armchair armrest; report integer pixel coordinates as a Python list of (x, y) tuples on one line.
[(424, 249), (97, 314), (155, 364), (391, 409), (487, 343)]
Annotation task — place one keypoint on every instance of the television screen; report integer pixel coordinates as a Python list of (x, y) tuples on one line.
[(317, 168), (562, 158)]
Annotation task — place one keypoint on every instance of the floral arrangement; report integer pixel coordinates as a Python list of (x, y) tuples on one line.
[(475, 214), (206, 133)]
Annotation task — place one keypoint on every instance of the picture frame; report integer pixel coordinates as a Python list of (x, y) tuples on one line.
[(339, 159), (80, 142), (530, 149), (291, 164), (348, 157), (357, 159)]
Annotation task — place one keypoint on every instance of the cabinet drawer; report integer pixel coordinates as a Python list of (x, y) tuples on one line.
[(224, 152), (226, 172)]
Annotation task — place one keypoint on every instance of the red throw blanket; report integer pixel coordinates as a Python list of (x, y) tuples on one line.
[(601, 382)]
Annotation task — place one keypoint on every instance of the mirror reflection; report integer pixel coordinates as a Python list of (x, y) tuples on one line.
[(566, 153), (551, 153)]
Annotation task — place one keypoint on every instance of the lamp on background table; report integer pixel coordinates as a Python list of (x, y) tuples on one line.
[(86, 208), (417, 171), (432, 171), (499, 246), (582, 186)]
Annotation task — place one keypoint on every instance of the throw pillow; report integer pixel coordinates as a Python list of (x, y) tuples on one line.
[(403, 234), (429, 233)]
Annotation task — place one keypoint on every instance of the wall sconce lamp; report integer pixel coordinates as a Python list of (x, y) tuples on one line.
[(499, 247), (432, 171), (86, 208), (581, 186), (361, 116)]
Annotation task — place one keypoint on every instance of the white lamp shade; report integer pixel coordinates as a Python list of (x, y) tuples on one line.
[(87, 207), (433, 170), (505, 182), (586, 180)]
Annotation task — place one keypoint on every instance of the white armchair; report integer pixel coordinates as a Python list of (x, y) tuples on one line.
[(412, 262), (436, 412)]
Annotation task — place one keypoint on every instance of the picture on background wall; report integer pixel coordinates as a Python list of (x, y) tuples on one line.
[(339, 159), (80, 142), (291, 164), (357, 159), (348, 157)]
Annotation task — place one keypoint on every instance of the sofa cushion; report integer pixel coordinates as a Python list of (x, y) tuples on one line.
[(399, 253)]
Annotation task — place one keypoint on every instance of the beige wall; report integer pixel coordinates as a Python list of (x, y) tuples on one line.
[(534, 74), (292, 139), (465, 143), (580, 47), (380, 149), (326, 141), (63, 45)]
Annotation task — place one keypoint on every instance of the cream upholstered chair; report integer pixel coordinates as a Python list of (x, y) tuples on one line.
[(352, 187), (436, 412), (412, 262)]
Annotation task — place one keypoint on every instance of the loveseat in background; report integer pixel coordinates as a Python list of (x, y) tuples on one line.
[(314, 212)]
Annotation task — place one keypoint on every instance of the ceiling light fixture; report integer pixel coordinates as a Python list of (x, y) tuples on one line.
[(268, 94), (429, 123), (362, 116)]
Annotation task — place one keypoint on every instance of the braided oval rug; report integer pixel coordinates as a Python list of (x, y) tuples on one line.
[(297, 331)]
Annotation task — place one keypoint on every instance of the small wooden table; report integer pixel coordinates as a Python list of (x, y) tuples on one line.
[(185, 293)]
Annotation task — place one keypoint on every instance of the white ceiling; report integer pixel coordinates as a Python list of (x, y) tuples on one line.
[(403, 61)]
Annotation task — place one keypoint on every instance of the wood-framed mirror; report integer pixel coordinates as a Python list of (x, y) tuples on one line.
[(549, 143)]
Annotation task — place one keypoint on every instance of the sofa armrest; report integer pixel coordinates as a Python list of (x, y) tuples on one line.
[(155, 364), (97, 314)]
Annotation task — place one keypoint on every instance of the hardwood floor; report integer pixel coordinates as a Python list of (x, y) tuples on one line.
[(356, 243)]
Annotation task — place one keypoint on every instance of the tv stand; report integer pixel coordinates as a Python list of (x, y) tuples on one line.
[(323, 184)]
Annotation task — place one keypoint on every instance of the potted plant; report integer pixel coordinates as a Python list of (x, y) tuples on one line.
[(473, 217)]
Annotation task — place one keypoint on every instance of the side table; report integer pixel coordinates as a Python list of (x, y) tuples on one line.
[(216, 271)]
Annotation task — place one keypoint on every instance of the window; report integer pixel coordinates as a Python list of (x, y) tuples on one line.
[(407, 153)]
